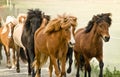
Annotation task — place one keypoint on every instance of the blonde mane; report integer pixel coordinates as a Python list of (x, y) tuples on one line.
[(53, 25)]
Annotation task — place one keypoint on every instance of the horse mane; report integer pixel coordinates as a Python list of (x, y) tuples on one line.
[(59, 23), (98, 18), (105, 17), (30, 14), (53, 25)]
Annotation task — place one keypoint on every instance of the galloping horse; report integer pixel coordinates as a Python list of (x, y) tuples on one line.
[(17, 33), (6, 38), (89, 43), (59, 31), (32, 23)]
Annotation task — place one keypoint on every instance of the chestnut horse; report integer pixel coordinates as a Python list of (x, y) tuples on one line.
[(32, 23), (52, 40), (89, 43), (6, 38)]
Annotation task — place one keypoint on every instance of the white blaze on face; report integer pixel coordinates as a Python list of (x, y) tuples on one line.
[(72, 40)]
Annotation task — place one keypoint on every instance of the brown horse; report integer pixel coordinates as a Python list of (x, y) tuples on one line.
[(52, 41), (89, 43), (6, 38)]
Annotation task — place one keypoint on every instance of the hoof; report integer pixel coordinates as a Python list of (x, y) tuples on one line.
[(18, 70), (69, 70)]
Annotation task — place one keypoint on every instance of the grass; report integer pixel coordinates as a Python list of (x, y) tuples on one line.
[(114, 73), (107, 71)]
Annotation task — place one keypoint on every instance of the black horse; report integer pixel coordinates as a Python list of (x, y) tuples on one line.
[(33, 22)]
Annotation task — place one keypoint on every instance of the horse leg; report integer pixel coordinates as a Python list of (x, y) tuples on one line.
[(51, 67), (0, 53), (70, 61), (101, 65), (18, 55), (63, 61), (58, 64), (54, 61), (7, 52), (87, 69), (29, 65), (36, 65), (77, 63), (13, 58)]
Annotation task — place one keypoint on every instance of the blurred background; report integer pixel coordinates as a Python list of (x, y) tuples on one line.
[(83, 10)]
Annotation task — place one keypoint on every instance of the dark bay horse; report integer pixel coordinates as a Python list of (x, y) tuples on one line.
[(32, 23), (6, 38), (59, 31), (89, 43)]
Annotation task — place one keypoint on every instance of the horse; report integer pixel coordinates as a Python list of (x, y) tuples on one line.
[(60, 31), (6, 39), (17, 33), (89, 43), (32, 23)]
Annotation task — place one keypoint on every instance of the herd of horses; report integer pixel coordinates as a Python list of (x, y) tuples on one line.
[(34, 37)]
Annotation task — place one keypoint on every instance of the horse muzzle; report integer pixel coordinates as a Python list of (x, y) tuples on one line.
[(106, 38), (71, 44)]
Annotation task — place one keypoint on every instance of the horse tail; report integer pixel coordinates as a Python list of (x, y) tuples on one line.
[(42, 60), (23, 55)]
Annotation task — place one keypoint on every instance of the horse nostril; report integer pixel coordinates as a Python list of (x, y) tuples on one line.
[(71, 44), (107, 38)]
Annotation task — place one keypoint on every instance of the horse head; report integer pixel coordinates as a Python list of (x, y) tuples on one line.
[(104, 21), (64, 23), (33, 20)]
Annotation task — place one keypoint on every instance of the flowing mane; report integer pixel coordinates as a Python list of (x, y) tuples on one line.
[(98, 18), (59, 23), (53, 25), (33, 14)]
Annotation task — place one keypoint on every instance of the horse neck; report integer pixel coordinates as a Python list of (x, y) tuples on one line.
[(93, 35)]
